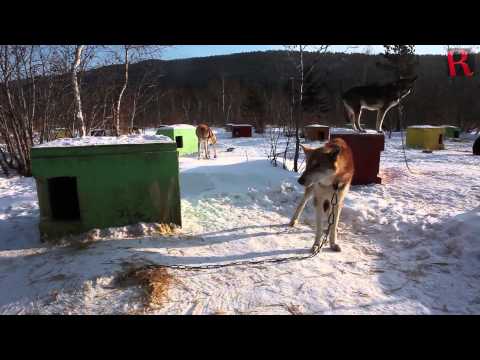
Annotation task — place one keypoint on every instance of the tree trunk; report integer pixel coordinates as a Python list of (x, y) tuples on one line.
[(76, 89), (223, 98), (119, 100), (4, 163), (398, 126), (228, 113), (134, 110), (299, 121)]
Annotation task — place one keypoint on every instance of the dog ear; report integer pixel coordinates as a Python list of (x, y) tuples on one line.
[(332, 151)]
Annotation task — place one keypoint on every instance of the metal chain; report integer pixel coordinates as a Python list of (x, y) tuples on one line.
[(400, 114), (315, 252)]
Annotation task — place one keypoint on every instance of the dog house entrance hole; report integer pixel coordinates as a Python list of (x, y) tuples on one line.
[(322, 136), (179, 141), (440, 139), (64, 203)]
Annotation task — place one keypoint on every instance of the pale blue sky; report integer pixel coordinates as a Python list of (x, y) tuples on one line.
[(187, 51)]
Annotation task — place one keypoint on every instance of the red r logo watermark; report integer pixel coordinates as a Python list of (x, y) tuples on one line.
[(462, 58)]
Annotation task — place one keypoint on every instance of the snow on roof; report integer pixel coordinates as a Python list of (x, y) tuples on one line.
[(242, 125), (351, 131), (317, 125), (179, 126), (425, 127), (106, 140)]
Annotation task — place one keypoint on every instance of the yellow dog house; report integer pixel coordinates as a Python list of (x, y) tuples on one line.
[(426, 137)]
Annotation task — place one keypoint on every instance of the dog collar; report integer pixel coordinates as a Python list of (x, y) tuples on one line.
[(337, 186)]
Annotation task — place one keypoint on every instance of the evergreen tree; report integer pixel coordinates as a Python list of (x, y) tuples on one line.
[(399, 60)]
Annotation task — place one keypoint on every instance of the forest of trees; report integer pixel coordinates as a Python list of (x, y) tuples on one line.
[(217, 90), (38, 92)]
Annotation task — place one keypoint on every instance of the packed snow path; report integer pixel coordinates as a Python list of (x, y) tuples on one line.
[(409, 246)]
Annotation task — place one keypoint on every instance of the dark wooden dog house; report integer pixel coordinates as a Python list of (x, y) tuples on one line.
[(366, 149), (241, 130), (101, 132), (98, 132), (316, 132)]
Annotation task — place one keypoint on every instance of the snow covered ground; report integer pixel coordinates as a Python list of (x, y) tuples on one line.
[(409, 246)]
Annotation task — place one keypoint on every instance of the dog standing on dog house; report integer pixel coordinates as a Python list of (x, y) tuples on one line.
[(380, 98), (329, 169)]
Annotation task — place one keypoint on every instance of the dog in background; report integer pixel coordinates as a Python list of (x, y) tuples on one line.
[(205, 136), (328, 169), (379, 98)]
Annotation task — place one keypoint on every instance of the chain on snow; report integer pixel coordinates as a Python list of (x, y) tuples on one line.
[(400, 114), (315, 252)]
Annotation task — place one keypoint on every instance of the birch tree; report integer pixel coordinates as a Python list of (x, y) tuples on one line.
[(125, 55), (76, 89), (303, 66), (31, 97), (75, 60), (146, 91)]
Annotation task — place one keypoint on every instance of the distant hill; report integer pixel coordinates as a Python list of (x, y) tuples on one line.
[(189, 90)]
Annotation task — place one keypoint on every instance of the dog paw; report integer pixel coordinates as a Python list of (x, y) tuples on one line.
[(315, 248), (335, 247), (292, 223)]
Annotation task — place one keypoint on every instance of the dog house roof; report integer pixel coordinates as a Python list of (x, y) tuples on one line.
[(106, 140), (425, 127), (351, 131), (178, 126)]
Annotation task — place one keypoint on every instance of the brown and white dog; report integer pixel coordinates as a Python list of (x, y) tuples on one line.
[(328, 168), (205, 135)]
